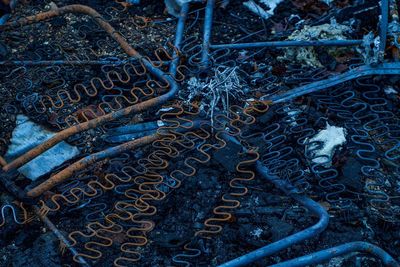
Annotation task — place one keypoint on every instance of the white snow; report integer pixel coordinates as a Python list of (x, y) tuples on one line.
[(390, 90), (257, 232), (258, 10), (28, 135), (272, 4), (331, 138)]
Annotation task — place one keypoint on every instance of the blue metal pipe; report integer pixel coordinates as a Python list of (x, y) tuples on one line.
[(63, 62), (135, 128), (324, 255), (289, 241), (180, 30), (208, 20), (362, 71), (384, 24), (280, 44), (126, 137), (4, 19)]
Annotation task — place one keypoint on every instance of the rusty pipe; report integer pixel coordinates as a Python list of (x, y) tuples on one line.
[(107, 153), (2, 161), (64, 134), (87, 161), (79, 9)]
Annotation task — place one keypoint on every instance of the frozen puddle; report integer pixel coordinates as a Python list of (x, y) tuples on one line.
[(28, 135)]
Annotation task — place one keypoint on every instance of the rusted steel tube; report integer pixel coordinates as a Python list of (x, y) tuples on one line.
[(80, 9), (327, 254), (2, 161), (87, 161), (107, 153), (62, 135)]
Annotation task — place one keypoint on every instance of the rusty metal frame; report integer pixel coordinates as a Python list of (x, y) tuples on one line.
[(129, 50)]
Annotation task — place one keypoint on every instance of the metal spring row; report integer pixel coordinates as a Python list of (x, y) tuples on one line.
[(68, 41), (142, 207), (223, 213), (106, 183), (17, 211), (325, 174), (147, 191), (366, 130), (110, 102)]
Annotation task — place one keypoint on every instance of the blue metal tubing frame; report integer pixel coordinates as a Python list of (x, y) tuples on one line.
[(5, 17), (208, 20), (279, 44), (362, 71), (173, 67), (384, 22), (289, 241), (324, 255), (180, 30), (63, 62)]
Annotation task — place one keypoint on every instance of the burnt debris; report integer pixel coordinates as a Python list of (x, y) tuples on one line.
[(200, 133)]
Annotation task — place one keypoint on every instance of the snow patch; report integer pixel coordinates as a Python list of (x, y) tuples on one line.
[(322, 146), (257, 232), (28, 135), (259, 11), (390, 91)]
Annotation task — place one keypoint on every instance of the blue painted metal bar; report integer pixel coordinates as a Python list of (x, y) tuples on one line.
[(362, 71), (280, 44), (289, 241), (208, 20), (63, 62), (324, 255), (383, 23), (127, 137), (180, 30), (4, 19), (135, 128)]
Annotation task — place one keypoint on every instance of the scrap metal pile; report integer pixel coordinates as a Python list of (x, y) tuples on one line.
[(200, 133)]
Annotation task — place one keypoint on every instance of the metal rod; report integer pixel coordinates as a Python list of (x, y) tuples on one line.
[(362, 71), (384, 22), (280, 44), (96, 157), (290, 190), (180, 30), (87, 161), (60, 236), (324, 255), (62, 62), (208, 20), (6, 17)]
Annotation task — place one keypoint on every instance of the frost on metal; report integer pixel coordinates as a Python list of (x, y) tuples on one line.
[(28, 135), (322, 146), (216, 93), (370, 49), (259, 10), (307, 56)]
